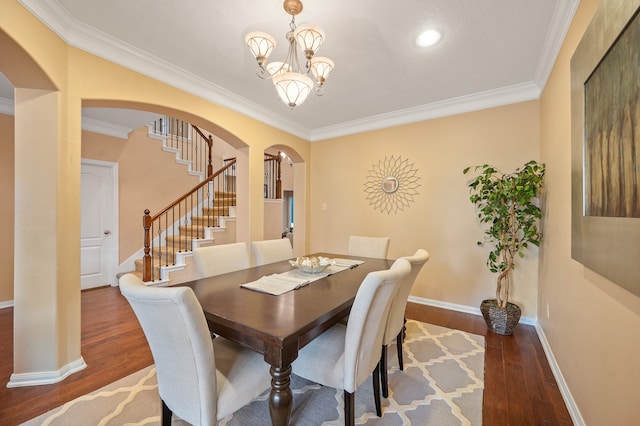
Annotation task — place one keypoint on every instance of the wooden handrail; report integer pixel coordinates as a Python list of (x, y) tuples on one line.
[(195, 188)]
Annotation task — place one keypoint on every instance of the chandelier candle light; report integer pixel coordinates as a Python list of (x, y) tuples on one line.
[(289, 78)]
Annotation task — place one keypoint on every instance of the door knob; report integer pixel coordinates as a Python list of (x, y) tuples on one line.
[(107, 232)]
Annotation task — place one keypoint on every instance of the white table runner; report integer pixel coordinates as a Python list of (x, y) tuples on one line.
[(277, 284)]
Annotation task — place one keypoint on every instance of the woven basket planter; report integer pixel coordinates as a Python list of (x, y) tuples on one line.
[(500, 320)]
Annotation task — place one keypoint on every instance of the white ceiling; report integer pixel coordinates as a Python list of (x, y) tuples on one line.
[(492, 52)]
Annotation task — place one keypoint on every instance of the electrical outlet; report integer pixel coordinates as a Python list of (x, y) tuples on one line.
[(547, 310)]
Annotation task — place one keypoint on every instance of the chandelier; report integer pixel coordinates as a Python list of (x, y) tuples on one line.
[(290, 79)]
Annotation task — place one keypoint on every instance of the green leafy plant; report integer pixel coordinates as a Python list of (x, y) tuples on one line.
[(508, 203)]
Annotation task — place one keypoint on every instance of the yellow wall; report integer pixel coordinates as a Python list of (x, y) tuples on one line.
[(6, 207), (593, 325), (148, 178), (441, 219)]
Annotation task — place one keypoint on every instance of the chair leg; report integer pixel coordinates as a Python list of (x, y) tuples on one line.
[(349, 414), (383, 372), (404, 329), (166, 414), (376, 390), (399, 340)]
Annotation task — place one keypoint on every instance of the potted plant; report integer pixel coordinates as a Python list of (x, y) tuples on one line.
[(508, 204)]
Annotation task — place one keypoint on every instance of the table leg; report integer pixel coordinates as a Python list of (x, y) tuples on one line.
[(281, 397)]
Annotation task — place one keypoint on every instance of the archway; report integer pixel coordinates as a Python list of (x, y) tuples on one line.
[(292, 219), (153, 175)]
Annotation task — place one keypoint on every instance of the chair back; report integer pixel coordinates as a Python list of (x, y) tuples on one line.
[(368, 246), (180, 341), (221, 259), (395, 322), (367, 321), (271, 251)]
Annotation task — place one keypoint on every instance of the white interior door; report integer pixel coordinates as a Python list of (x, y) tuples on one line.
[(98, 217)]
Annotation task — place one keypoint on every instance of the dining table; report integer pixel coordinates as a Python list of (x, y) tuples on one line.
[(278, 326)]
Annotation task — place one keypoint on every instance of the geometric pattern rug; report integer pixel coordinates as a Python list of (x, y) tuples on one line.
[(441, 385)]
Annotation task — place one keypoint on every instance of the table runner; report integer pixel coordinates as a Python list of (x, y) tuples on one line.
[(277, 284)]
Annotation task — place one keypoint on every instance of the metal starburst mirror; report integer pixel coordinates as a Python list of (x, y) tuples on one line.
[(391, 185)]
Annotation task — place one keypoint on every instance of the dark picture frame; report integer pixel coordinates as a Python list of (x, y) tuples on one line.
[(605, 156)]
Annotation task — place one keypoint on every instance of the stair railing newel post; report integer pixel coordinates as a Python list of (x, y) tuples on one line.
[(210, 160), (146, 224)]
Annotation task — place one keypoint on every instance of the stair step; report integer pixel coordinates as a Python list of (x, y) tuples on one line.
[(168, 256), (223, 202), (224, 194), (216, 211), (179, 242), (155, 269), (195, 230), (225, 198), (205, 221)]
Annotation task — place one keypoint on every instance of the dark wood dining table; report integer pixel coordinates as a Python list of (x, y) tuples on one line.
[(279, 326)]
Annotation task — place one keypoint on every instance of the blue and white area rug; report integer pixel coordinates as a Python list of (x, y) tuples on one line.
[(441, 385)]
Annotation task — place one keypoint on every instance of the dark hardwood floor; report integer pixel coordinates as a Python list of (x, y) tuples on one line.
[(519, 386)]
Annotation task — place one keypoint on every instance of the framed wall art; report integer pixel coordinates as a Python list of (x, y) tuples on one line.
[(605, 149)]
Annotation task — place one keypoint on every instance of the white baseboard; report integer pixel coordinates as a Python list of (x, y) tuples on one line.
[(574, 412), (46, 377), (461, 308), (6, 304)]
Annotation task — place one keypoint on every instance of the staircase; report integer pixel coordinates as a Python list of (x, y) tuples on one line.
[(203, 216), (209, 226)]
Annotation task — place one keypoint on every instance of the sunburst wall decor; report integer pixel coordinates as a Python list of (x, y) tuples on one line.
[(391, 185)]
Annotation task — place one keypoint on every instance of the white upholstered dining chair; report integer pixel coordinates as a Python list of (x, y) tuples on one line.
[(394, 330), (221, 259), (271, 251), (200, 380), (368, 246), (343, 357)]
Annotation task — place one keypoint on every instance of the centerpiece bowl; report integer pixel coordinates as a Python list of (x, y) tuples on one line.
[(312, 265)]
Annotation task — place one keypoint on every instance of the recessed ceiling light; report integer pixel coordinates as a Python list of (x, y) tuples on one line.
[(428, 38)]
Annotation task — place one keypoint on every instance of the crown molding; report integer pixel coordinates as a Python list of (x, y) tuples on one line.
[(477, 101), (102, 127), (84, 37), (560, 22)]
